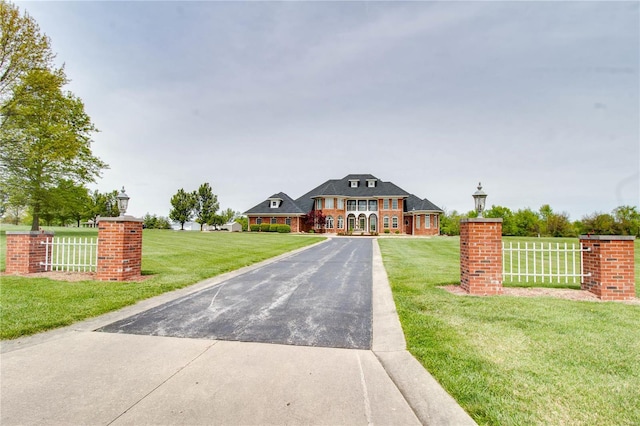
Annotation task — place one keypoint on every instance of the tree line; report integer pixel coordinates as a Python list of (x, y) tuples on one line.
[(623, 220), (202, 206)]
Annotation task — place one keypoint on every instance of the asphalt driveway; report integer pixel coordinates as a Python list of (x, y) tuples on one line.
[(319, 297)]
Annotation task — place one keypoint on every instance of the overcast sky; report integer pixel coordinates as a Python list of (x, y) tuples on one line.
[(539, 101)]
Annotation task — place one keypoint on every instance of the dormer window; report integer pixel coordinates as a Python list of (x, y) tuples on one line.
[(274, 203), (371, 183), (353, 183)]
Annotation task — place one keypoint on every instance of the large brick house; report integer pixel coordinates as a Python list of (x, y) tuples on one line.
[(356, 203)]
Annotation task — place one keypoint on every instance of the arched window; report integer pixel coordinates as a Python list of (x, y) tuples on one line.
[(385, 222), (340, 222), (329, 222), (394, 222)]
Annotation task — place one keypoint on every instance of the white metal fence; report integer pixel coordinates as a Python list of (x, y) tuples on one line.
[(542, 262), (75, 254)]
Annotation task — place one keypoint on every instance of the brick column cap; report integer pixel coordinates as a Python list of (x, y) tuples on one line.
[(120, 219), (32, 233), (608, 237), (481, 220)]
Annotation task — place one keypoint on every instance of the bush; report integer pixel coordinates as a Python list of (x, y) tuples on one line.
[(273, 228), (284, 229), (255, 228), (397, 232), (265, 227), (387, 231), (311, 231)]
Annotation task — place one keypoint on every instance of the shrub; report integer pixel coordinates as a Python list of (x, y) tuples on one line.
[(311, 231), (397, 232), (386, 231), (273, 227), (255, 228), (265, 227), (284, 229)]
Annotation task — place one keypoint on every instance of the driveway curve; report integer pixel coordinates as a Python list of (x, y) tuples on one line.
[(318, 297)]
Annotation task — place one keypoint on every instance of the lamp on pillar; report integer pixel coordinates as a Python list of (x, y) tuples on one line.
[(123, 202), (479, 197)]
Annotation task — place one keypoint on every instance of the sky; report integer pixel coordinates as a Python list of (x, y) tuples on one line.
[(539, 101)]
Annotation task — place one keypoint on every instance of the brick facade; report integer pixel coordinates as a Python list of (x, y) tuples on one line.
[(610, 261), (481, 256), (25, 252), (119, 248), (296, 222)]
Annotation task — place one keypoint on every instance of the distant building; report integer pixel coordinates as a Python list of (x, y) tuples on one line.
[(356, 203)]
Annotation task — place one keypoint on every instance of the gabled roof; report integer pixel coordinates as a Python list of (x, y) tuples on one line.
[(342, 188), (288, 206), (414, 203)]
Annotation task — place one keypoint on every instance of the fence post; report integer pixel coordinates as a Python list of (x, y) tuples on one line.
[(609, 261), (25, 252), (481, 256), (119, 248)]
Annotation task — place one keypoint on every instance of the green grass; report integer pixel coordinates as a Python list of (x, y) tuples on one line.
[(173, 259), (513, 361)]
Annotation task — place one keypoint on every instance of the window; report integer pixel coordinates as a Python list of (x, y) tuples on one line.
[(353, 183), (340, 222), (287, 221), (319, 204), (362, 205), (394, 222), (385, 222), (275, 204), (351, 205), (373, 205), (427, 221), (371, 183), (328, 203), (259, 221), (328, 222), (385, 204), (274, 220), (373, 223), (394, 204), (418, 222), (340, 203)]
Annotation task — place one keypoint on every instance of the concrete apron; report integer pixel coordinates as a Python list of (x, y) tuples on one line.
[(75, 376)]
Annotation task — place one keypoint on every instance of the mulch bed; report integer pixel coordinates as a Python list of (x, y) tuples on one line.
[(71, 276), (560, 293)]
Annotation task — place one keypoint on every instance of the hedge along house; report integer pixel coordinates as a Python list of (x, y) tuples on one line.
[(355, 203)]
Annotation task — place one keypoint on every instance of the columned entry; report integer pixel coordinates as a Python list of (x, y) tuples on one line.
[(362, 223)]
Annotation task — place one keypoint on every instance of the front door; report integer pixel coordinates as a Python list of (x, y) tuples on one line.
[(407, 227)]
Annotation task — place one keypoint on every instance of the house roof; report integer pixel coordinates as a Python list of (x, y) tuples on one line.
[(342, 188), (288, 206), (414, 203)]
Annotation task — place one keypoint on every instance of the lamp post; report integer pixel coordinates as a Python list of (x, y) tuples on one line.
[(479, 198), (123, 202)]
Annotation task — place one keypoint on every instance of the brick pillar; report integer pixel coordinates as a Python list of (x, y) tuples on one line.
[(610, 263), (119, 248), (25, 251), (481, 256)]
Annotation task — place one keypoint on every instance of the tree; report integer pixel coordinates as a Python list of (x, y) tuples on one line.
[(450, 222), (183, 207), (206, 205), (526, 223), (242, 220), (315, 219), (504, 213), (22, 48), (101, 204), (627, 220), (228, 214), (599, 224), (45, 139)]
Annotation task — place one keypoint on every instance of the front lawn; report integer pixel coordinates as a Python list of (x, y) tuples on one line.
[(173, 259), (513, 361)]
